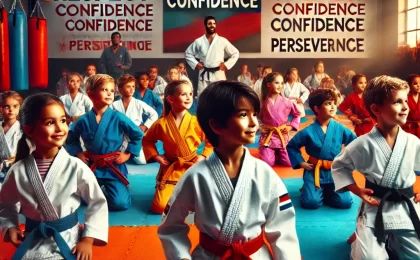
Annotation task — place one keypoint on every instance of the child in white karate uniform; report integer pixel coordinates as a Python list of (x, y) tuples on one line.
[(388, 226), (240, 203), (46, 185)]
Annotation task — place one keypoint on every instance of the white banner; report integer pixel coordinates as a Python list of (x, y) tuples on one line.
[(319, 29), (289, 28)]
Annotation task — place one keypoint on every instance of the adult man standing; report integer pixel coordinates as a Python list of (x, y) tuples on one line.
[(115, 59), (211, 50)]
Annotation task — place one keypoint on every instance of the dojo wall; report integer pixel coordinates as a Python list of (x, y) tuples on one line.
[(383, 63)]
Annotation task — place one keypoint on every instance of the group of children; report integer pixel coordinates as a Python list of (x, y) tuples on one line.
[(241, 206)]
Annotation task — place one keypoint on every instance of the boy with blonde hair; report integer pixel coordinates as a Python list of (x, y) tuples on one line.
[(388, 226)]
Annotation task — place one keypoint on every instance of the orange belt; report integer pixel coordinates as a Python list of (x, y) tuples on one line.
[(106, 160), (324, 164), (162, 180), (270, 130), (236, 251)]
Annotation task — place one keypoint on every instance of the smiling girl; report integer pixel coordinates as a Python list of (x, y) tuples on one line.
[(47, 185), (274, 114), (181, 135)]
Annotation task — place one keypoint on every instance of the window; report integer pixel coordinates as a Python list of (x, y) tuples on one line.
[(412, 22)]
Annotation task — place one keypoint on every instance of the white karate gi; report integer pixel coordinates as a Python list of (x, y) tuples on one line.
[(297, 90), (68, 181), (211, 55), (137, 110), (160, 85), (9, 141), (314, 84), (257, 87), (77, 107), (245, 79), (371, 155), (229, 214)]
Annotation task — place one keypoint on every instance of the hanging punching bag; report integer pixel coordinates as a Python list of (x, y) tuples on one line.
[(38, 49), (4, 50), (18, 43)]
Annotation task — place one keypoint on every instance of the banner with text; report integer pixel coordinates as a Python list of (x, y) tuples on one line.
[(259, 29)]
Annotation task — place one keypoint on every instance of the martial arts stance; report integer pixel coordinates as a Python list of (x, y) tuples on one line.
[(240, 203), (387, 157), (211, 50), (102, 130), (76, 103), (146, 95), (46, 185), (138, 111), (181, 135), (313, 81), (323, 141), (354, 108), (294, 90), (275, 111)]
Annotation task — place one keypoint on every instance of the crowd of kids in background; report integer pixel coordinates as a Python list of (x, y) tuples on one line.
[(51, 144)]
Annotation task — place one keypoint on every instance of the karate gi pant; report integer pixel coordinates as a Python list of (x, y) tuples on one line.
[(367, 247), (140, 159), (313, 198), (202, 84), (116, 193), (273, 156)]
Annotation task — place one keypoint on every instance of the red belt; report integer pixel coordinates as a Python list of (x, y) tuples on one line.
[(106, 160), (236, 251)]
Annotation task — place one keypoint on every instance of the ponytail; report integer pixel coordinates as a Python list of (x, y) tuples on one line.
[(170, 91), (29, 114), (23, 149)]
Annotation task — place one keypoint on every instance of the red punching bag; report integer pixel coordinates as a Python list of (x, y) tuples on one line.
[(4, 50), (38, 49)]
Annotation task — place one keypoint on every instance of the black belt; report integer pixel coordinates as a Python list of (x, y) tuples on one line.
[(394, 195), (208, 70)]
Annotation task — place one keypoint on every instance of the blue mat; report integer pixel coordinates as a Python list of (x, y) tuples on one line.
[(322, 233)]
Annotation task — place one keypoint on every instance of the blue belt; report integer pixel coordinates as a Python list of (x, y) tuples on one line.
[(46, 230)]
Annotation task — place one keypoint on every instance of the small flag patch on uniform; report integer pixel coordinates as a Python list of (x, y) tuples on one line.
[(285, 202)]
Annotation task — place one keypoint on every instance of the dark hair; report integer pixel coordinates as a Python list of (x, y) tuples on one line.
[(115, 33), (153, 67), (170, 91), (29, 115), (10, 94), (141, 73), (124, 79), (316, 65), (218, 102), (379, 89), (356, 78), (207, 18), (270, 77), (411, 78), (288, 72), (319, 96)]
